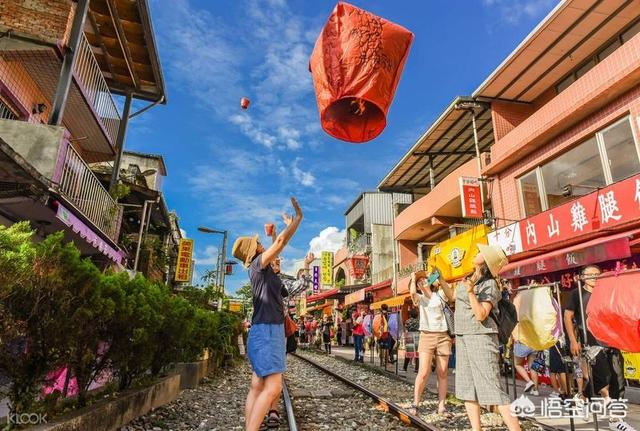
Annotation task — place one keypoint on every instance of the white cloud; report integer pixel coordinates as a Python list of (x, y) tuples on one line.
[(514, 11), (207, 257), (305, 178), (329, 239)]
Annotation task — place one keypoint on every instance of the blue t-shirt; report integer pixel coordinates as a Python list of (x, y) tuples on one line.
[(268, 306)]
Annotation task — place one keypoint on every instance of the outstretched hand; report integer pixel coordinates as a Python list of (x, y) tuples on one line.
[(296, 206), (309, 258)]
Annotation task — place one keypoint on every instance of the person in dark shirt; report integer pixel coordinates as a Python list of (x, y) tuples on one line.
[(266, 342), (607, 371)]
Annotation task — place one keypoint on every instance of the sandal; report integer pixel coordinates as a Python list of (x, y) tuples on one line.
[(273, 419), (413, 410), (263, 425)]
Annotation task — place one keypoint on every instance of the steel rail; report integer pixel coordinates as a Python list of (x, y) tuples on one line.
[(404, 415), (288, 406), (386, 404)]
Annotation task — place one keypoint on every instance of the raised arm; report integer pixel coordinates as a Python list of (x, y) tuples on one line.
[(481, 309), (282, 240), (413, 291), (449, 292)]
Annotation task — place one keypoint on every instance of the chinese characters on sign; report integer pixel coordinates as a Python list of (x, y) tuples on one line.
[(471, 197), (602, 209), (327, 268), (183, 266), (508, 238), (316, 279)]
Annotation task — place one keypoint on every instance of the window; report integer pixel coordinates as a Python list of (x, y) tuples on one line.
[(621, 151), (609, 156), (6, 113), (530, 195), (575, 173), (609, 49), (595, 59), (630, 32)]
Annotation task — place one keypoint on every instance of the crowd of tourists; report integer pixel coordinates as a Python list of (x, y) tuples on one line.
[(472, 320)]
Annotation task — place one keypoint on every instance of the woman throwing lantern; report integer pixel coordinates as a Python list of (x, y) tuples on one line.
[(266, 343)]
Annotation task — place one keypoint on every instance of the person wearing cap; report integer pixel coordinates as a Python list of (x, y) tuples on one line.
[(477, 368), (266, 346), (434, 339)]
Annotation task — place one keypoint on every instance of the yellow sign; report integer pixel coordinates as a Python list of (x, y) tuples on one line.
[(454, 257), (303, 305), (235, 307), (631, 365), (185, 254), (327, 269)]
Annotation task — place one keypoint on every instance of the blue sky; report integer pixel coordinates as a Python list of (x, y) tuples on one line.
[(235, 170)]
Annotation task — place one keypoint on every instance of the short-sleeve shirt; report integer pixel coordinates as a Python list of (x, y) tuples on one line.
[(466, 322), (266, 289), (357, 329), (574, 305), (431, 314)]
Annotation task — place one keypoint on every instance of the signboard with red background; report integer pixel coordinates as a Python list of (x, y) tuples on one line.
[(471, 197)]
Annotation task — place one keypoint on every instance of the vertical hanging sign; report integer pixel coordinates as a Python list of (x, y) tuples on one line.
[(184, 264), (471, 197), (327, 268), (316, 279)]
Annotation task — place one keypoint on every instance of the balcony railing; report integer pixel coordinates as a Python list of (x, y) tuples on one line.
[(360, 245), (79, 184), (96, 90)]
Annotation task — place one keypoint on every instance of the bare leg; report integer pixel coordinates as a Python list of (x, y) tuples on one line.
[(442, 368), (271, 390), (473, 413), (422, 378), (521, 370), (534, 375), (509, 419), (257, 385)]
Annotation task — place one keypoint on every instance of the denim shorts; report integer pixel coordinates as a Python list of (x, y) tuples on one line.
[(522, 351), (266, 348)]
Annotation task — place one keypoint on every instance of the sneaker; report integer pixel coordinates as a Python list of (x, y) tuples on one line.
[(530, 385), (535, 393), (620, 426)]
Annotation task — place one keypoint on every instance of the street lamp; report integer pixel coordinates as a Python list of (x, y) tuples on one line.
[(222, 254)]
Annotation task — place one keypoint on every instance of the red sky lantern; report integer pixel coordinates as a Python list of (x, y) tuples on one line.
[(356, 65), (358, 265), (244, 103)]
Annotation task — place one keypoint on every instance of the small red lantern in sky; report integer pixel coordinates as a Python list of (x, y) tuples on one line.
[(244, 103)]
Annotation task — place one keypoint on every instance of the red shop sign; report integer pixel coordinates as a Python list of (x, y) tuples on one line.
[(577, 257), (471, 197), (614, 205)]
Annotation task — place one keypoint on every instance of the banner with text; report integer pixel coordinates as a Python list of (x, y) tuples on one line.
[(185, 255), (471, 197), (327, 268)]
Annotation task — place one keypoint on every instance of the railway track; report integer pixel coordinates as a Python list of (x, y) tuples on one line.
[(386, 404)]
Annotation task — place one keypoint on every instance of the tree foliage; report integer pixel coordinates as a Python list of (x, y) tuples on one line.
[(57, 310)]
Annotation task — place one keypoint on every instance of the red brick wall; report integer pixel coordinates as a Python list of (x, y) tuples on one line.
[(15, 77), (505, 194), (506, 116), (48, 20)]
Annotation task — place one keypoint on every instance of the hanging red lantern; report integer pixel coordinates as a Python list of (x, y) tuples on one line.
[(358, 265), (356, 65), (244, 103)]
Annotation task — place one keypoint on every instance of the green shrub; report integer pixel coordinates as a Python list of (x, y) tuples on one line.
[(58, 309)]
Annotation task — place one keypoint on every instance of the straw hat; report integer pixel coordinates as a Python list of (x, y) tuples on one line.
[(494, 258), (244, 249)]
